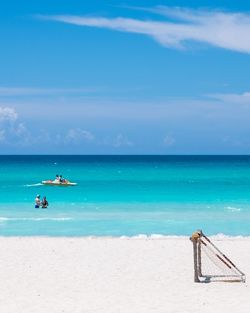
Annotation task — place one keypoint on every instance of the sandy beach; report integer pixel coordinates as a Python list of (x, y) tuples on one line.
[(42, 274)]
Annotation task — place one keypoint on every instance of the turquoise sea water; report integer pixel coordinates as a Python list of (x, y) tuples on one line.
[(126, 195)]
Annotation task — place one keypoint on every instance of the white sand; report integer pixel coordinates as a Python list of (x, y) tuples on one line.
[(102, 275)]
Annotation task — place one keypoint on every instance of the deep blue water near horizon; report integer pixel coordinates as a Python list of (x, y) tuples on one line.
[(126, 195)]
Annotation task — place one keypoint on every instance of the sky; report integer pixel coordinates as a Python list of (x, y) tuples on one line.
[(124, 77)]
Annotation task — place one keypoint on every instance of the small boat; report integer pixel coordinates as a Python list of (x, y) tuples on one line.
[(57, 183)]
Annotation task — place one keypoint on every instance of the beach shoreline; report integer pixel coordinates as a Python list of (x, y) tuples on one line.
[(112, 274)]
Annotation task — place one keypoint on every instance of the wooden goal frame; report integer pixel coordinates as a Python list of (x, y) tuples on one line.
[(198, 239)]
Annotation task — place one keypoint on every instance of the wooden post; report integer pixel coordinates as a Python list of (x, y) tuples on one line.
[(196, 277), (199, 258), (197, 255)]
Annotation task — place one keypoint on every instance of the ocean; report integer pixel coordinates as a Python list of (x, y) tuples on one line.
[(126, 195)]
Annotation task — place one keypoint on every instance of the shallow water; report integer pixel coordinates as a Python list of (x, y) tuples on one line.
[(129, 195)]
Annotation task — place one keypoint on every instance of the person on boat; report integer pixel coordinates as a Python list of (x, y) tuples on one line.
[(57, 179), (37, 202), (62, 180), (44, 203)]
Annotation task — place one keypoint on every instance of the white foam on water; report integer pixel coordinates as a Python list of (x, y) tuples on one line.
[(33, 185), (5, 219), (154, 237), (219, 237), (233, 209)]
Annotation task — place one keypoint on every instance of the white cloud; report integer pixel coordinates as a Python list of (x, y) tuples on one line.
[(243, 98), (12, 131), (22, 91), (44, 136), (2, 135), (233, 141), (122, 141), (23, 135), (8, 114), (78, 135), (217, 28), (168, 140)]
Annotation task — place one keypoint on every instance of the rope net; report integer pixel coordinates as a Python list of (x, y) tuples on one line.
[(213, 265)]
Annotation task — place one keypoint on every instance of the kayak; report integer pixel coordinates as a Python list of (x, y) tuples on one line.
[(53, 183)]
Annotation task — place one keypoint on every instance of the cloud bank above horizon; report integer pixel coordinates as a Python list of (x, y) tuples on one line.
[(104, 128), (220, 29)]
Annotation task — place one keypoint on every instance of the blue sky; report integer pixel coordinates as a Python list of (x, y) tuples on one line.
[(124, 77)]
